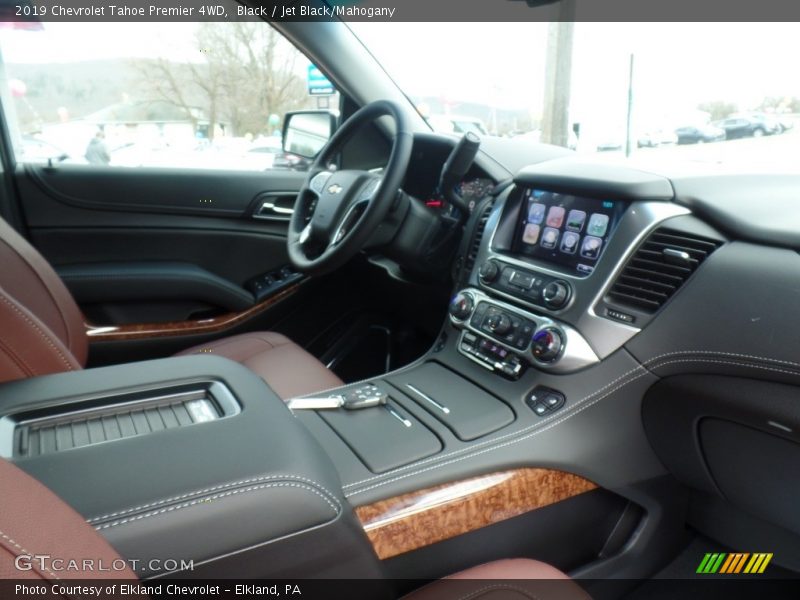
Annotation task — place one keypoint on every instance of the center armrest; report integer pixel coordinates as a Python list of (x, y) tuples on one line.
[(234, 477)]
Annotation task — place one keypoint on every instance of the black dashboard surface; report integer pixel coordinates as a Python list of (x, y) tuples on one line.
[(759, 208)]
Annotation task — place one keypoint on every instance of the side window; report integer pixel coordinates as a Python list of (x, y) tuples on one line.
[(174, 95)]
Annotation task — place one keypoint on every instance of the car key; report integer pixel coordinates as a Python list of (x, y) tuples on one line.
[(322, 403), (364, 397)]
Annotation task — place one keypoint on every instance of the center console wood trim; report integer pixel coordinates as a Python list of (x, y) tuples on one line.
[(139, 331), (424, 517)]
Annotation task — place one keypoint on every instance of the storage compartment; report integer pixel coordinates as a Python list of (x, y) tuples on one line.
[(467, 410), (736, 441), (755, 471), (383, 437), (115, 417)]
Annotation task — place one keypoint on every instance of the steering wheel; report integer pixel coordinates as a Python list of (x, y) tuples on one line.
[(337, 211)]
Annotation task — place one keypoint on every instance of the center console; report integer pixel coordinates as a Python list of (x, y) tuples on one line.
[(187, 459)]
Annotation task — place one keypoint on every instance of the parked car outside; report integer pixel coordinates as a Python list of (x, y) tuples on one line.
[(657, 137), (699, 134), (743, 126)]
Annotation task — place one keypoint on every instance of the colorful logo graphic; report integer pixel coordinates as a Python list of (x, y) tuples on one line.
[(734, 563)]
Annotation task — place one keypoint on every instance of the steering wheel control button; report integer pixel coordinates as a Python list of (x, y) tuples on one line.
[(556, 294), (488, 271), (317, 183), (461, 306), (369, 190), (544, 401), (548, 344)]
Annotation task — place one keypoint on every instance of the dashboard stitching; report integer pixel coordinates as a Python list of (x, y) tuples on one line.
[(579, 406), (547, 427), (217, 497), (497, 439), (215, 488)]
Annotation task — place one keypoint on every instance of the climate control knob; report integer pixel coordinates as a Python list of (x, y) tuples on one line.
[(556, 293), (498, 323), (547, 344), (488, 271), (461, 306)]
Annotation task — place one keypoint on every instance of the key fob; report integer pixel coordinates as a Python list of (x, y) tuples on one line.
[(363, 397)]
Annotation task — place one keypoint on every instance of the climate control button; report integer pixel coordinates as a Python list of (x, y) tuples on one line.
[(547, 344), (498, 323), (461, 306)]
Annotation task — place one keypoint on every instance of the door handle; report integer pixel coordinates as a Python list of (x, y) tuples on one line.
[(270, 206), (275, 207)]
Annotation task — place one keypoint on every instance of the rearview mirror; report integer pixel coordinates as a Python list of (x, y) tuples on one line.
[(306, 132)]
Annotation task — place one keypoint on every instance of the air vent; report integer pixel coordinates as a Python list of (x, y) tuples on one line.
[(477, 238), (660, 266)]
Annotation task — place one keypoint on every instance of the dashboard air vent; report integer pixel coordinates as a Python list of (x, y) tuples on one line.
[(660, 266), (477, 238)]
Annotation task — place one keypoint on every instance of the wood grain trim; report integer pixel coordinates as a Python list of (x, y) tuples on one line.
[(427, 516), (139, 331)]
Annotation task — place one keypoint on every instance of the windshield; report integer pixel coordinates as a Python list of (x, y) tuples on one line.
[(711, 92)]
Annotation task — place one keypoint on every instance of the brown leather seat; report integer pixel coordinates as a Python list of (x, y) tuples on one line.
[(510, 579), (42, 330), (43, 538), (285, 366)]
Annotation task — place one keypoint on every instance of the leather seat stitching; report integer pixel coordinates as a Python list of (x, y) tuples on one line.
[(41, 333), (212, 489), (499, 586), (36, 274), (336, 510), (26, 553), (223, 343), (17, 360)]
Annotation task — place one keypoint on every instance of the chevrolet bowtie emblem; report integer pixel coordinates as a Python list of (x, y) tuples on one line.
[(334, 189)]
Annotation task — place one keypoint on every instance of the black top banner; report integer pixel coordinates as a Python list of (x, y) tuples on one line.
[(20, 12)]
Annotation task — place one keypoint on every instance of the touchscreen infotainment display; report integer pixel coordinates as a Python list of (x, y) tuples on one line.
[(570, 231)]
